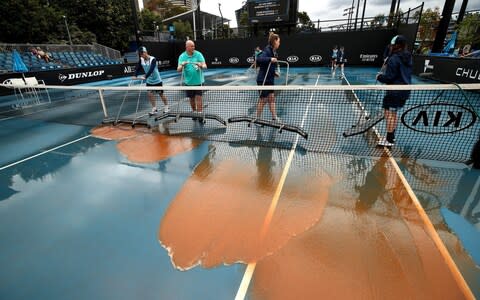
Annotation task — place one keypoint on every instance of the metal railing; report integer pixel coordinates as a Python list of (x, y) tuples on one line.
[(411, 16)]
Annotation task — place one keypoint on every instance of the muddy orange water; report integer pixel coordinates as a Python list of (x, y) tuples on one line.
[(217, 215), (145, 147), (155, 147), (370, 246), (115, 132)]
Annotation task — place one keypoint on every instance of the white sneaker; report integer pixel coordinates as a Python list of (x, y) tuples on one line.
[(166, 109), (277, 119), (384, 143), (154, 111)]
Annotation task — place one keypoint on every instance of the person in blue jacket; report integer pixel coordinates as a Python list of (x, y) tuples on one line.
[(267, 62), (398, 72), (341, 59), (148, 65)]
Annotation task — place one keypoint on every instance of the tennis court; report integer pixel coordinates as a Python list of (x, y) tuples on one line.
[(218, 212)]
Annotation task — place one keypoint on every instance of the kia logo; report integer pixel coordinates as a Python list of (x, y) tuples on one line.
[(315, 58), (251, 60), (438, 118), (292, 58)]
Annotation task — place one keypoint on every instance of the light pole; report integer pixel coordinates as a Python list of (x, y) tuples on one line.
[(68, 31), (155, 29), (221, 16)]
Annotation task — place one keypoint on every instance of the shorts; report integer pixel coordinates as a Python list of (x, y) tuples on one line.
[(393, 101), (193, 93), (265, 93), (156, 84)]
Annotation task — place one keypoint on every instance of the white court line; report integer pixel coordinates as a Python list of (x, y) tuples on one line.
[(44, 152), (429, 228), (247, 276)]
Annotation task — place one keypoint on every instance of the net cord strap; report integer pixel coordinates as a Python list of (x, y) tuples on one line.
[(466, 98)]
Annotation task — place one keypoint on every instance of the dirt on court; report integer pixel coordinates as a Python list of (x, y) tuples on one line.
[(141, 146)]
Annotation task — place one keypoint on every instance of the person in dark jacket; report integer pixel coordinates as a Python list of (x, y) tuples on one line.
[(341, 60), (398, 72), (267, 61)]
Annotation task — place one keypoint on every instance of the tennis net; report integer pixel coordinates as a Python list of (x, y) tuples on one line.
[(438, 122)]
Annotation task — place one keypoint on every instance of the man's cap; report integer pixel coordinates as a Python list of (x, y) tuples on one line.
[(142, 49), (398, 40)]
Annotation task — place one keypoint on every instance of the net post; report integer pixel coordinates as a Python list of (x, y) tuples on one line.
[(100, 93)]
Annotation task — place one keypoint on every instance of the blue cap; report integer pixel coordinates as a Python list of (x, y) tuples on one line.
[(398, 40), (142, 49)]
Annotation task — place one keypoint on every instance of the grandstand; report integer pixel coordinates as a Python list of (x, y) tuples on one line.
[(63, 57)]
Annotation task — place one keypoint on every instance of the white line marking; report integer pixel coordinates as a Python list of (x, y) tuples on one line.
[(430, 229), (247, 276), (44, 152)]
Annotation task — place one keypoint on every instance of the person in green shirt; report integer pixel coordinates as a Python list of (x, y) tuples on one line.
[(191, 62)]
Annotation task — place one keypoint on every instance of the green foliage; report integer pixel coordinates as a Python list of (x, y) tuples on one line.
[(469, 31), (244, 19), (147, 19), (164, 8), (23, 22), (378, 21), (304, 21), (35, 21), (428, 24), (183, 29)]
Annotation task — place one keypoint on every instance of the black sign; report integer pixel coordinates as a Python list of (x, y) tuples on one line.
[(73, 76), (448, 69), (299, 50), (267, 11)]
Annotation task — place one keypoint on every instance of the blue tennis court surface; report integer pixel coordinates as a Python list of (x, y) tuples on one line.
[(79, 220)]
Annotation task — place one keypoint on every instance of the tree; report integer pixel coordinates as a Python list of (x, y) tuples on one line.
[(147, 19), (111, 23), (305, 22), (428, 24), (244, 28), (164, 8), (27, 21), (183, 29), (378, 21), (469, 31)]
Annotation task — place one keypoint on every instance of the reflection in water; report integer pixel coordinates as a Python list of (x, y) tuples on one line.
[(265, 166), (155, 147), (118, 132), (361, 249), (41, 167), (467, 196), (265, 163), (205, 167), (218, 216), (377, 178), (142, 146)]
